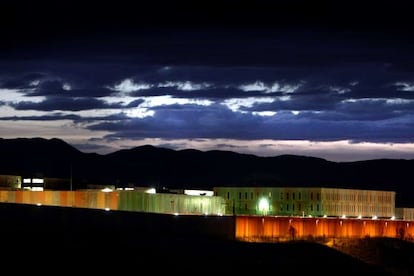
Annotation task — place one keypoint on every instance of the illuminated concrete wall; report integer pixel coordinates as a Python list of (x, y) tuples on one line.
[(11, 181), (288, 228), (404, 213), (297, 201), (170, 203), (358, 203), (120, 200)]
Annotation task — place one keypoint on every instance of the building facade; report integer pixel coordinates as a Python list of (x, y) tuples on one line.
[(404, 213), (308, 201)]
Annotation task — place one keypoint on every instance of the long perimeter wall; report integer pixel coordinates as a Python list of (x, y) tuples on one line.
[(259, 228), (137, 201)]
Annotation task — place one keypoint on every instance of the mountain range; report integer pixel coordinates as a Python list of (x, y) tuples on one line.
[(194, 169)]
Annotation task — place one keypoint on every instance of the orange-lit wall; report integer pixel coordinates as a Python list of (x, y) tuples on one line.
[(287, 228), (120, 200)]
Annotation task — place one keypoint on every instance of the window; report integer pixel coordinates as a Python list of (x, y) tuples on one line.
[(300, 195), (228, 195), (251, 195), (311, 196), (245, 195), (281, 196)]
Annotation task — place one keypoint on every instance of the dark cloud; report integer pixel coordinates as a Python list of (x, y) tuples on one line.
[(50, 117), (221, 123), (61, 103), (19, 81), (90, 147)]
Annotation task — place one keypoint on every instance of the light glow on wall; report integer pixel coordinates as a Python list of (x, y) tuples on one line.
[(263, 205), (151, 191)]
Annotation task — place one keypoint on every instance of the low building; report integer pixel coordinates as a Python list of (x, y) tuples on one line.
[(308, 201)]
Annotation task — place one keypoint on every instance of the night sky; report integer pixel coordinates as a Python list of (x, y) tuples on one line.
[(323, 79)]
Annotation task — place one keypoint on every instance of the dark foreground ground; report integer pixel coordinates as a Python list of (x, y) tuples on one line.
[(57, 241)]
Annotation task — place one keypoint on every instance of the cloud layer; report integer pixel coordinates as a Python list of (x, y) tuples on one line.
[(242, 90)]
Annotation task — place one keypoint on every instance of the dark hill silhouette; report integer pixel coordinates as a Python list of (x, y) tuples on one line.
[(161, 167), (96, 242)]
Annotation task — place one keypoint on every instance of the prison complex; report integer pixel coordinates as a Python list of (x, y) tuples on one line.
[(260, 213)]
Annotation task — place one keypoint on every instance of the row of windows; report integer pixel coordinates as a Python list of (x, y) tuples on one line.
[(292, 207), (361, 197), (353, 208), (316, 196), (293, 195), (299, 207), (333, 208)]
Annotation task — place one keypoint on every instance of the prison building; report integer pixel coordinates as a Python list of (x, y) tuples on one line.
[(308, 201), (404, 213)]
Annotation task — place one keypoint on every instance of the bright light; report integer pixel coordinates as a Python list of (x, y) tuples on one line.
[(393, 218), (198, 192), (263, 205), (37, 180), (39, 204), (37, 189), (374, 217), (325, 216), (175, 214), (359, 217), (26, 180), (151, 191), (125, 189), (343, 216), (107, 209), (106, 190)]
